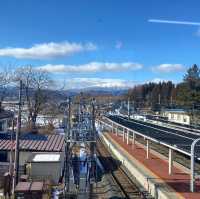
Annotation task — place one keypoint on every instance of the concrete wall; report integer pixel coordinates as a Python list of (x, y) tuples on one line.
[(23, 157), (4, 167), (147, 181)]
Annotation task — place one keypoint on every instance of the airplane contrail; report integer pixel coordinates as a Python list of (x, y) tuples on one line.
[(174, 22)]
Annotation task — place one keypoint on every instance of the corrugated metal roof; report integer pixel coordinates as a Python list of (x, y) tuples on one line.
[(37, 186), (23, 187), (32, 142)]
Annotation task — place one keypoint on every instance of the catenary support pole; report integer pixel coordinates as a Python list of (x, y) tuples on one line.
[(192, 173), (170, 161), (133, 141), (127, 137), (147, 148), (112, 127), (123, 134)]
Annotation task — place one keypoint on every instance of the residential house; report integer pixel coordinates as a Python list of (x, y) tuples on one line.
[(6, 118)]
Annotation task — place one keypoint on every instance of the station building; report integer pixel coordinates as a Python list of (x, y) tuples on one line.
[(177, 115)]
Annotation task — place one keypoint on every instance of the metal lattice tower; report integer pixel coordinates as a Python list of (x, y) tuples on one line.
[(80, 136)]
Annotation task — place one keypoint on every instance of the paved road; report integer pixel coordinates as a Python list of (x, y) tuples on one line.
[(179, 139)]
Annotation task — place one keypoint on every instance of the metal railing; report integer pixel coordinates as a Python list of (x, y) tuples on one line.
[(112, 124)]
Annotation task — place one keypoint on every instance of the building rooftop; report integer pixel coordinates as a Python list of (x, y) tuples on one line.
[(175, 110), (33, 142), (29, 186)]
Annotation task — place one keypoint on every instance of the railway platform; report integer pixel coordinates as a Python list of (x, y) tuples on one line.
[(177, 184)]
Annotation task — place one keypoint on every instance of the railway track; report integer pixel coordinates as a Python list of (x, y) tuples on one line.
[(126, 185)]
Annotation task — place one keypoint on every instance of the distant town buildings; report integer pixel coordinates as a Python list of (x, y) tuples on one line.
[(5, 119)]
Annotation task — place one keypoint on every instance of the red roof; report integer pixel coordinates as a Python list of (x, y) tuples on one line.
[(39, 143)]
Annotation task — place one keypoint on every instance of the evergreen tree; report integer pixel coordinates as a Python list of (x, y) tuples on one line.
[(192, 77), (188, 92)]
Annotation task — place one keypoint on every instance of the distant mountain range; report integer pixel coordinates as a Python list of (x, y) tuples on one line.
[(12, 92), (99, 90)]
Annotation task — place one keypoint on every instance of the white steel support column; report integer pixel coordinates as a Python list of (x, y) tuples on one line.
[(170, 161), (99, 124), (123, 134), (117, 130), (147, 148), (127, 139), (112, 127), (192, 166), (133, 141)]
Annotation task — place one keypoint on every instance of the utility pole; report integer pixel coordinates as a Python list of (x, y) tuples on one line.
[(93, 129), (93, 144), (16, 164), (11, 150), (69, 118), (171, 100), (128, 106), (159, 99), (93, 117), (67, 124)]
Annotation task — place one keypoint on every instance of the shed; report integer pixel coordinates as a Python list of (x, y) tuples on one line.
[(28, 144), (45, 166)]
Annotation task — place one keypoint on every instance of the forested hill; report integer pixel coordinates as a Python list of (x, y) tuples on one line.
[(185, 94)]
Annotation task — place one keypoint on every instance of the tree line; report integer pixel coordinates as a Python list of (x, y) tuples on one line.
[(185, 94)]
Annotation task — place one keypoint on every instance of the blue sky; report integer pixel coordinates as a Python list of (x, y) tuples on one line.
[(101, 42)]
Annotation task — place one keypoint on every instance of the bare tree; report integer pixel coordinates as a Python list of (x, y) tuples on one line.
[(52, 112), (36, 83), (5, 79)]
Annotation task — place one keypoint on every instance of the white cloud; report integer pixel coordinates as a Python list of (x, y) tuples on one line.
[(47, 50), (91, 67), (118, 45), (168, 68), (80, 83), (174, 22)]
